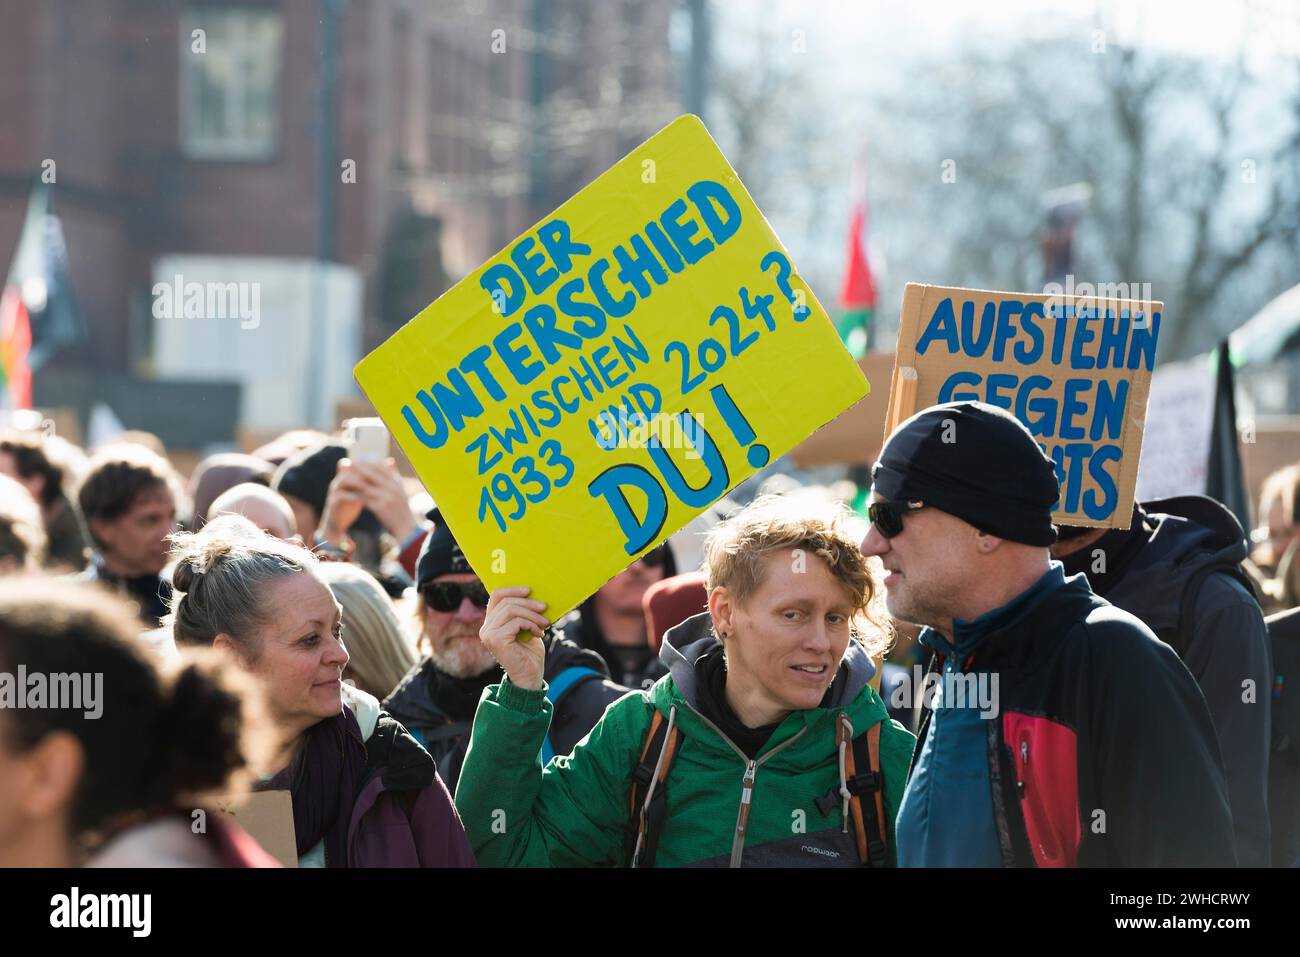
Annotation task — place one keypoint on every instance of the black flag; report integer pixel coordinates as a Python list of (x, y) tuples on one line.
[(1224, 479)]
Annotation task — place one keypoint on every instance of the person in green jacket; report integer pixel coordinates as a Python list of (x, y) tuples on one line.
[(763, 746)]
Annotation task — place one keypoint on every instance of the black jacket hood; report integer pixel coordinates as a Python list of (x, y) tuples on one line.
[(1183, 535)]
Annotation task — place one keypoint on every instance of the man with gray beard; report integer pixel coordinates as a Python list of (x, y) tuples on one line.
[(437, 699), (1100, 750)]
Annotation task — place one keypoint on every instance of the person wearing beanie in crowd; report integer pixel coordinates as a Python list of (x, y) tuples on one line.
[(671, 601), (341, 508), (113, 776), (128, 497), (437, 699), (1178, 568), (612, 622), (304, 481), (364, 793), (1062, 732)]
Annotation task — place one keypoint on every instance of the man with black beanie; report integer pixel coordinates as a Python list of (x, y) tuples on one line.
[(1061, 731), (436, 700)]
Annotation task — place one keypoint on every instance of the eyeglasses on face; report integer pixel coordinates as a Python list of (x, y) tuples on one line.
[(447, 596), (887, 516)]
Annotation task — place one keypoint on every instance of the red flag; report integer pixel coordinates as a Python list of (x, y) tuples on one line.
[(858, 293), (859, 288)]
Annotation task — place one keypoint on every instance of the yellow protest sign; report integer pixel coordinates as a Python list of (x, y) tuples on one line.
[(1076, 370), (612, 372)]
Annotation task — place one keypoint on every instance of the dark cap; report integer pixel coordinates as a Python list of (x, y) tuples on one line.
[(307, 476), (975, 461), (439, 553)]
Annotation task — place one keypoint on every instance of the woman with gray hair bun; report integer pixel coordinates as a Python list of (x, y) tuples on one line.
[(365, 794)]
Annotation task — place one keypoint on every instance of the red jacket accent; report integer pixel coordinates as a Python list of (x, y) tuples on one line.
[(1047, 779)]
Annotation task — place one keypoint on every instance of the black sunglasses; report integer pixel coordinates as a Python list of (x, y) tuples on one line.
[(888, 516), (447, 596)]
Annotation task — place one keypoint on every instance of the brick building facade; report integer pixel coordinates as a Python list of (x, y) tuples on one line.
[(465, 122)]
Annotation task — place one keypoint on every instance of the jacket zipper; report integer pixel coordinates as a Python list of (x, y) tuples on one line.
[(1044, 849), (1023, 769), (747, 783), (742, 817)]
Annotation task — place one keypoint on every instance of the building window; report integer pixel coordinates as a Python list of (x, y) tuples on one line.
[(230, 83)]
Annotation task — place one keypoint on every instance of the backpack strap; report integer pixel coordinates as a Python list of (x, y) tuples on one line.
[(647, 801), (1192, 591), (556, 689), (862, 791), (866, 750)]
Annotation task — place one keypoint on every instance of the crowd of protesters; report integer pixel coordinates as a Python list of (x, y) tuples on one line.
[(952, 679)]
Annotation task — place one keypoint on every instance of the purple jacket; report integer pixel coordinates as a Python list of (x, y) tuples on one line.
[(403, 816), (381, 834)]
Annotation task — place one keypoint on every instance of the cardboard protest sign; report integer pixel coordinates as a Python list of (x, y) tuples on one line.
[(267, 817), (611, 373), (855, 436), (1076, 370)]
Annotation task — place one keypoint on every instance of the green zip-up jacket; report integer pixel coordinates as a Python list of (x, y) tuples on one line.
[(574, 813)]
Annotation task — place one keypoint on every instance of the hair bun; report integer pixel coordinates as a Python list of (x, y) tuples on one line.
[(186, 574), (200, 553)]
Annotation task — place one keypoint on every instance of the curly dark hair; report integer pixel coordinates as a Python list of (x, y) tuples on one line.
[(157, 741)]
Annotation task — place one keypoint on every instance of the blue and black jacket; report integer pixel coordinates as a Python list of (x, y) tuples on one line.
[(1102, 751)]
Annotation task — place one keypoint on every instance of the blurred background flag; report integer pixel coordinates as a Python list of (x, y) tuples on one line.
[(1224, 476), (1064, 208), (38, 312), (858, 293), (15, 346)]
